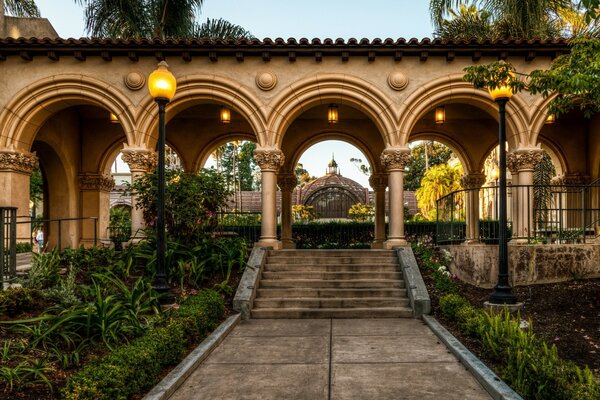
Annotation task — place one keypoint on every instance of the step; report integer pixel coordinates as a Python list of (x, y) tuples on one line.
[(328, 293), (330, 267), (331, 260), (330, 275), (337, 283), (332, 253), (347, 302), (383, 312)]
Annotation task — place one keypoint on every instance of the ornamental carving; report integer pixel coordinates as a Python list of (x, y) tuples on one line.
[(378, 182), (395, 159), (287, 182), (266, 80), (96, 182), (18, 162), (575, 179), (135, 80), (397, 80), (472, 181), (140, 160), (523, 160), (269, 160)]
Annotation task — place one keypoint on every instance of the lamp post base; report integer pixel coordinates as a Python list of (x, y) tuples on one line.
[(502, 295), (499, 307), (162, 287)]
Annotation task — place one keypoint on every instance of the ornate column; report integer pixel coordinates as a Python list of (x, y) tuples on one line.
[(15, 170), (287, 183), (472, 183), (269, 160), (379, 183), (95, 202), (394, 160), (140, 161), (521, 163)]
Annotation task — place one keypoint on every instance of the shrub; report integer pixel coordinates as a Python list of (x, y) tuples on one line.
[(14, 301), (450, 304), (44, 270), (137, 366), (527, 363), (23, 247)]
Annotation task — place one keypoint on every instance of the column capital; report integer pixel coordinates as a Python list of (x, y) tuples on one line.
[(378, 182), (472, 181), (524, 159), (102, 183), (287, 182), (573, 179), (140, 159), (395, 158), (269, 159), (16, 161)]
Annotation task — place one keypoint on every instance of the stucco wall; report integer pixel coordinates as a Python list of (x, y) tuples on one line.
[(528, 264)]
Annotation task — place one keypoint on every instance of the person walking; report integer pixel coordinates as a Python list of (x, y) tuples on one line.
[(39, 238)]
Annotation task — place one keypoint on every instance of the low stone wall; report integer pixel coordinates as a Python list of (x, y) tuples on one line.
[(528, 264)]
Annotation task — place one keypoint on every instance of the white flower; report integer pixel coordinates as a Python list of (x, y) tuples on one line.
[(523, 324)]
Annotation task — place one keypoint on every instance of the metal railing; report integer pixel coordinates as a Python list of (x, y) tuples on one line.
[(54, 226), (313, 234), (8, 245), (536, 214)]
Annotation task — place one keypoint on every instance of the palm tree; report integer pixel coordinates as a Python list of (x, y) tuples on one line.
[(20, 8), (511, 18), (154, 18), (141, 18), (467, 23)]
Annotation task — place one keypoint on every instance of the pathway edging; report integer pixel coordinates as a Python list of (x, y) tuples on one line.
[(485, 376), (165, 388)]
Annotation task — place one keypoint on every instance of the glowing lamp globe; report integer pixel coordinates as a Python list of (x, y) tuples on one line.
[(502, 91), (161, 82)]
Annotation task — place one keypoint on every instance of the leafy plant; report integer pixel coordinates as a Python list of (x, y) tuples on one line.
[(44, 270)]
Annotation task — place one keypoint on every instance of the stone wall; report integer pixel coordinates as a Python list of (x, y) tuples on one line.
[(528, 264)]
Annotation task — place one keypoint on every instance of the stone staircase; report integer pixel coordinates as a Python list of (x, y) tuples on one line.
[(331, 284)]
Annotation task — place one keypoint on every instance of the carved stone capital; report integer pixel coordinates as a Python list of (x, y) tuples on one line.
[(523, 160), (98, 182), (140, 160), (472, 181), (378, 182), (395, 159), (575, 179), (18, 162), (269, 159), (287, 182)]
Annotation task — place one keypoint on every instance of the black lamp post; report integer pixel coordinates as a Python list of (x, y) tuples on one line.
[(502, 291), (162, 86)]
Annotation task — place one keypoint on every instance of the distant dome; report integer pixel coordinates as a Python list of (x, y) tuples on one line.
[(332, 195)]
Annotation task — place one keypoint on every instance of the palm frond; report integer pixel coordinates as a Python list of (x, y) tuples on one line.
[(22, 8), (220, 29)]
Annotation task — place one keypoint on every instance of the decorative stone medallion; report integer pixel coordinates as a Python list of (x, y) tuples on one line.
[(397, 80), (266, 80), (135, 80)]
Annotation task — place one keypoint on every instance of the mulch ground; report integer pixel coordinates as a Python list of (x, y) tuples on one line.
[(566, 314)]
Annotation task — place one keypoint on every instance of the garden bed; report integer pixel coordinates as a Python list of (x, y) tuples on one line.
[(86, 316), (564, 314)]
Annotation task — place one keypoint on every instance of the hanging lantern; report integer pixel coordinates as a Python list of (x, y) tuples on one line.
[(440, 115), (332, 114), (550, 119), (114, 119), (225, 115)]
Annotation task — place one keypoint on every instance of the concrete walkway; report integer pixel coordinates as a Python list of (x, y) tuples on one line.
[(337, 359)]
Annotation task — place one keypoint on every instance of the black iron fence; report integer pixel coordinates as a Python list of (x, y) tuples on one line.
[(313, 235), (536, 214), (53, 229), (8, 245)]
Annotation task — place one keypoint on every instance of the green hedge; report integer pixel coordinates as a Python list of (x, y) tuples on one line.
[(527, 363), (135, 367)]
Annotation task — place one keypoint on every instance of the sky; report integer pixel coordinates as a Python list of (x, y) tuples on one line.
[(293, 18)]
